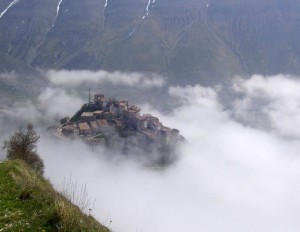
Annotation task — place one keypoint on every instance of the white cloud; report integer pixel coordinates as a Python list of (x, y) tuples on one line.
[(235, 173), (273, 101), (8, 77), (56, 102), (76, 78), (50, 106), (196, 95)]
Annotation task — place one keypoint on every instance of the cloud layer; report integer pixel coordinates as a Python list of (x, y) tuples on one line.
[(238, 171), (274, 102), (77, 78)]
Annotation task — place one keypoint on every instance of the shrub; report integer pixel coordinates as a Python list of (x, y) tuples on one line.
[(22, 145)]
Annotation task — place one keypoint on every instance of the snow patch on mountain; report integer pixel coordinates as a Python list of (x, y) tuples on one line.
[(57, 11), (149, 5), (131, 33), (147, 9), (7, 8), (208, 4), (58, 7), (104, 8), (105, 5)]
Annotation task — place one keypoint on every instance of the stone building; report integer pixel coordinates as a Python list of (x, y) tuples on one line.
[(99, 114), (94, 127), (132, 112), (84, 129), (69, 130), (97, 98), (87, 117), (103, 125)]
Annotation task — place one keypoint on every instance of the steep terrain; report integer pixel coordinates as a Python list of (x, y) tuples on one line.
[(29, 203), (263, 34), (189, 41)]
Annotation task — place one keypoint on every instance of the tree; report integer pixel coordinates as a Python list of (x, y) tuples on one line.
[(22, 145)]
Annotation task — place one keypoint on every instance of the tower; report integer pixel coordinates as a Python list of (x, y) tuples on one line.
[(89, 96)]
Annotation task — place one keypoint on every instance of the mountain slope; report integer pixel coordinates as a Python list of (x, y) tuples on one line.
[(29, 203), (264, 34), (189, 41)]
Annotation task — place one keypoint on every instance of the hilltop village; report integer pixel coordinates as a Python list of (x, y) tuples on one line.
[(98, 121)]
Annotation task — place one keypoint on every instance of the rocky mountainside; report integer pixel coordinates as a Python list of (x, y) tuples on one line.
[(187, 40)]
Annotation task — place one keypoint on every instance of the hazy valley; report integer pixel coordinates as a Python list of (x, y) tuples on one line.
[(225, 73)]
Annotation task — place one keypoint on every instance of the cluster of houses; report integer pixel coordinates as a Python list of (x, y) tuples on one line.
[(106, 116)]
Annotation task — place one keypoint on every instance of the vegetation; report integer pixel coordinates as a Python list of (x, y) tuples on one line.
[(22, 145), (29, 203), (76, 116)]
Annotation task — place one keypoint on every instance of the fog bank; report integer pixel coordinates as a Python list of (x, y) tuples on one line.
[(238, 171)]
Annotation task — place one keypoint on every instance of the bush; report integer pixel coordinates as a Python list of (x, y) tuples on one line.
[(22, 145)]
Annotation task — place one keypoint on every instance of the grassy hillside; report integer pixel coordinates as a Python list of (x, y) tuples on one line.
[(29, 203)]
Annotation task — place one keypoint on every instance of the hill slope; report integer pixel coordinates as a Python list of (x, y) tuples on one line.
[(29, 203), (189, 41)]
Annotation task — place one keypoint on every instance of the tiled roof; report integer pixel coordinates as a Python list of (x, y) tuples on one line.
[(94, 125), (102, 123), (84, 126), (87, 114), (98, 112)]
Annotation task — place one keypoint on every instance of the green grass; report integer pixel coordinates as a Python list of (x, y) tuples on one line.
[(76, 116), (29, 203)]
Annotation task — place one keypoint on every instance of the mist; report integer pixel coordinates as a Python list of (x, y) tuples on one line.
[(238, 170), (75, 78)]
